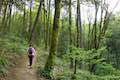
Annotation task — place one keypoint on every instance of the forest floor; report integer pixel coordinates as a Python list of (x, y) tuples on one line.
[(22, 71)]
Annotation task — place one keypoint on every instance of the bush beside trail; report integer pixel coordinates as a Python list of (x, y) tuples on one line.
[(11, 48)]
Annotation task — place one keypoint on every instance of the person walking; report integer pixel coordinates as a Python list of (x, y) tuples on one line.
[(31, 54)]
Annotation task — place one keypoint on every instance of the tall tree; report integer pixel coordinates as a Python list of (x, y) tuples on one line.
[(48, 28), (45, 27), (10, 13), (49, 22), (94, 34), (36, 20), (94, 30), (89, 29), (52, 54), (24, 15), (30, 16), (79, 31), (1, 3), (4, 14), (70, 33)]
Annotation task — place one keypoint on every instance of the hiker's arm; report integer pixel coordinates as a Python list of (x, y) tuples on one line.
[(34, 51), (27, 51)]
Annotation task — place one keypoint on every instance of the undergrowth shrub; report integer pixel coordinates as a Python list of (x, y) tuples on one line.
[(85, 75), (106, 69), (11, 48)]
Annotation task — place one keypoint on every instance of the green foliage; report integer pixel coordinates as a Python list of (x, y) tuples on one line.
[(113, 41), (106, 69), (41, 59), (92, 56), (11, 48), (99, 57), (3, 65), (66, 75), (46, 74), (103, 71), (12, 44), (63, 41), (85, 75)]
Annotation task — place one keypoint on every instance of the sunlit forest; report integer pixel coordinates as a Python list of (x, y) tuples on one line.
[(73, 39)]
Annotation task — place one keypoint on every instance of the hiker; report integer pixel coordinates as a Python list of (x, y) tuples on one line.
[(31, 54)]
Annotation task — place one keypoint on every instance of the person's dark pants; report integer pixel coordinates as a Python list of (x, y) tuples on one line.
[(30, 60)]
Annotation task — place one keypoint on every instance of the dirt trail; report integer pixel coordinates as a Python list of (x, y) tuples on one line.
[(22, 71)]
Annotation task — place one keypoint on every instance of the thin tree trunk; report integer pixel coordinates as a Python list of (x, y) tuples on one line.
[(79, 31), (70, 34), (30, 17), (49, 27), (80, 25), (89, 38), (45, 27), (10, 13), (1, 3), (24, 15), (4, 12), (36, 20), (95, 27), (75, 69), (94, 31), (100, 25)]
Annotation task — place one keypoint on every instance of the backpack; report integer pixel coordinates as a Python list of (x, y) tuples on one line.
[(30, 50)]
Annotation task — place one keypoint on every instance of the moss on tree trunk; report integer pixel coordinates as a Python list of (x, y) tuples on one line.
[(52, 54)]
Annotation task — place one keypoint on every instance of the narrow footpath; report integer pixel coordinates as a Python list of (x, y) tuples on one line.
[(22, 71)]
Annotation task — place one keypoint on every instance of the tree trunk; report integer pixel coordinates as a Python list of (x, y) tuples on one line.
[(4, 12), (36, 20), (75, 69), (70, 34), (79, 30), (95, 28), (1, 3), (94, 31), (24, 17), (100, 25), (10, 12), (45, 27), (49, 26), (30, 16), (89, 36), (52, 54)]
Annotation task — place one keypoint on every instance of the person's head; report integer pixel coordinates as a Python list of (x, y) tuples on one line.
[(30, 45)]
